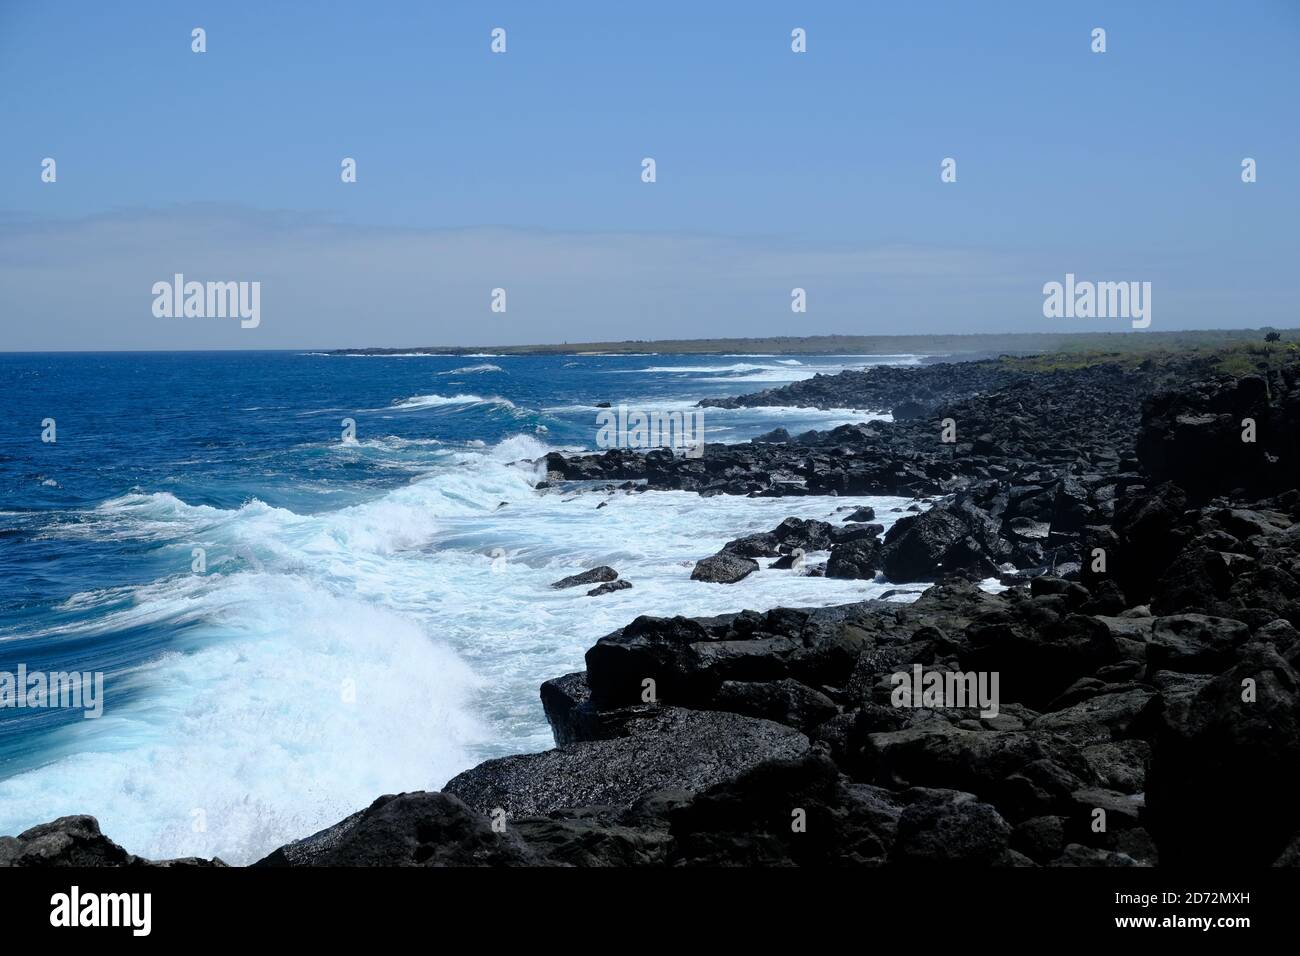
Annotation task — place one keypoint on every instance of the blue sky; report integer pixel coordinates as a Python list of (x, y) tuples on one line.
[(522, 170)]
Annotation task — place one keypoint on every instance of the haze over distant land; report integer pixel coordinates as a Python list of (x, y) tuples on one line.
[(997, 343)]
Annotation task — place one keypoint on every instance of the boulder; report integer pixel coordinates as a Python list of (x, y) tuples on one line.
[(1220, 786), (1194, 643), (723, 568), (956, 536), (1037, 651), (790, 812), (753, 546), (77, 841), (594, 576), (608, 587), (854, 559), (783, 701), (949, 827), (407, 829)]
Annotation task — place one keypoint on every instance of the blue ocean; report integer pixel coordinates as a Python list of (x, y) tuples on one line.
[(289, 624)]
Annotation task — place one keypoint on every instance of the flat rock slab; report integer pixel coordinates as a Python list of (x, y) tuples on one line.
[(679, 750)]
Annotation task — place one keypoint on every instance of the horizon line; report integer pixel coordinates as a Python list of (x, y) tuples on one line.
[(728, 342)]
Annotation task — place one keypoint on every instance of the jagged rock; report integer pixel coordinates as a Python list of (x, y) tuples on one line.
[(1040, 838), (947, 826), (786, 812), (601, 836), (1038, 651), (594, 576), (1148, 535), (1197, 580), (1023, 774), (956, 536), (854, 559), (753, 546), (1119, 765), (1217, 759), (609, 587), (77, 841), (1098, 719), (689, 659), (1192, 434), (808, 534), (408, 829), (67, 841), (784, 701), (723, 568), (567, 703), (1194, 643), (1077, 855)]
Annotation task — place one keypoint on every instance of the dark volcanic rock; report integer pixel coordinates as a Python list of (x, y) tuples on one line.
[(906, 389), (1194, 435), (408, 829), (602, 836), (723, 568), (807, 533), (786, 812), (608, 587), (1038, 650), (1023, 773), (1146, 649), (784, 701), (947, 826), (680, 749), (1221, 785), (956, 536), (762, 545), (594, 576), (854, 559), (1063, 434), (1195, 643), (76, 841), (689, 659), (67, 841)]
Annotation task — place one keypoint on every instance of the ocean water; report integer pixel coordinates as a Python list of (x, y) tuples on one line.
[(375, 615)]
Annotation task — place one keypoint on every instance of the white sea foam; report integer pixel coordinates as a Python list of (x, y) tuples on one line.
[(781, 371), (432, 599), (473, 369), (437, 401), (735, 367)]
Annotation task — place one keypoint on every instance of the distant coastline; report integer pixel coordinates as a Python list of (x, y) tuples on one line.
[(992, 344)]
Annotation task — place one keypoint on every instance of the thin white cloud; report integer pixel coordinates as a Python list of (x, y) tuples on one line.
[(85, 284)]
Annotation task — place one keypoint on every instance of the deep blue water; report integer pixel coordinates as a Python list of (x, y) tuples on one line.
[(371, 616)]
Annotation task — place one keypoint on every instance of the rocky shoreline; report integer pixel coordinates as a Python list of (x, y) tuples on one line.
[(1146, 650)]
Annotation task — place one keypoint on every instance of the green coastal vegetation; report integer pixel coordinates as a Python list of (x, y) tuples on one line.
[(1068, 349), (1230, 353)]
